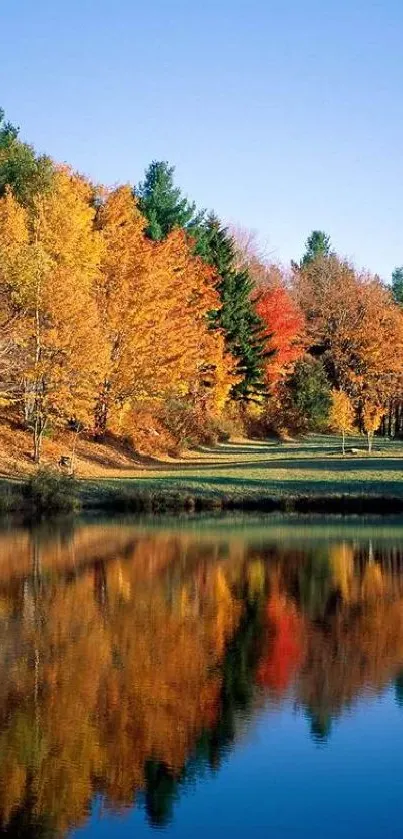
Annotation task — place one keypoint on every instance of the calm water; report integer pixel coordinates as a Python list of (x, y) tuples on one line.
[(189, 678)]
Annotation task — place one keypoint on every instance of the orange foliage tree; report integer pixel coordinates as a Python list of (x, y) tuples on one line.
[(154, 298), (355, 326)]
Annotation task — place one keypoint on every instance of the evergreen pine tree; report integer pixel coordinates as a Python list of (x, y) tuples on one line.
[(237, 317), (397, 285), (162, 203), (317, 244)]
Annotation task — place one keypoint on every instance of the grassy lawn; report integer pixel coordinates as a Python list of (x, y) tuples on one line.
[(313, 466)]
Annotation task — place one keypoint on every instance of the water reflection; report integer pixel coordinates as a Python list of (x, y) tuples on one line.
[(133, 657)]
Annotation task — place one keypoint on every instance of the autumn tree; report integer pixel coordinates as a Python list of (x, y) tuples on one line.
[(285, 331), (49, 262), (154, 298), (124, 273), (162, 203), (341, 415), (354, 326)]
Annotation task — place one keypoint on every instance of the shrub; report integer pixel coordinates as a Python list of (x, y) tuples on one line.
[(134, 500), (145, 431), (8, 500), (189, 425), (49, 492), (231, 423)]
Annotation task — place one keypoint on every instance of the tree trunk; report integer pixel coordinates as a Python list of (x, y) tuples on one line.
[(37, 446), (390, 419), (343, 441), (102, 410), (38, 417), (73, 452), (397, 420), (360, 421), (39, 428), (370, 436)]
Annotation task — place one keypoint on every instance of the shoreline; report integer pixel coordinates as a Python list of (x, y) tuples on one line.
[(102, 497), (159, 502)]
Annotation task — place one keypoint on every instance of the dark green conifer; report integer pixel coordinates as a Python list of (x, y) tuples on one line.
[(397, 285), (237, 317), (317, 244), (163, 204)]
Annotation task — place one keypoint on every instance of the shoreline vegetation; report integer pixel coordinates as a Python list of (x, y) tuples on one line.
[(303, 477)]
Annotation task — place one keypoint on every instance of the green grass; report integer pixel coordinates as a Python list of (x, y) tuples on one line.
[(250, 472), (306, 476)]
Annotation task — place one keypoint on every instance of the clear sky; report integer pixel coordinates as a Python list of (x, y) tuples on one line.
[(282, 115)]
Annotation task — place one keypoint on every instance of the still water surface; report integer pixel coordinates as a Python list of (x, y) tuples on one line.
[(196, 677)]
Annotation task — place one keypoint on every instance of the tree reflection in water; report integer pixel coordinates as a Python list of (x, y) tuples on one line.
[(133, 657)]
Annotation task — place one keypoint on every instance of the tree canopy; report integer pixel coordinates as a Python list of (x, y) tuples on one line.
[(21, 168)]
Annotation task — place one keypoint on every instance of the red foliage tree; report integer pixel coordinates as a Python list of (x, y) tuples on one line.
[(285, 330)]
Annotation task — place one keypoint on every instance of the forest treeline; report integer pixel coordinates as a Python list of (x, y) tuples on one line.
[(127, 311)]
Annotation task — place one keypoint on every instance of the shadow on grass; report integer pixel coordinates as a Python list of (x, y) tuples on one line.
[(208, 486), (369, 464)]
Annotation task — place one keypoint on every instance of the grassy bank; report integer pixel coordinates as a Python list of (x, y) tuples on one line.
[(305, 476), (310, 475)]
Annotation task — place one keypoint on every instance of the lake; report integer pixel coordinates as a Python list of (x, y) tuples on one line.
[(191, 677)]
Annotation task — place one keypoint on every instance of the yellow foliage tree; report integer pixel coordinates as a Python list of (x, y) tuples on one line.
[(50, 259), (341, 415)]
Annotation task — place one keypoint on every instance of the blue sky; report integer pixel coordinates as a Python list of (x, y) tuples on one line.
[(282, 115)]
